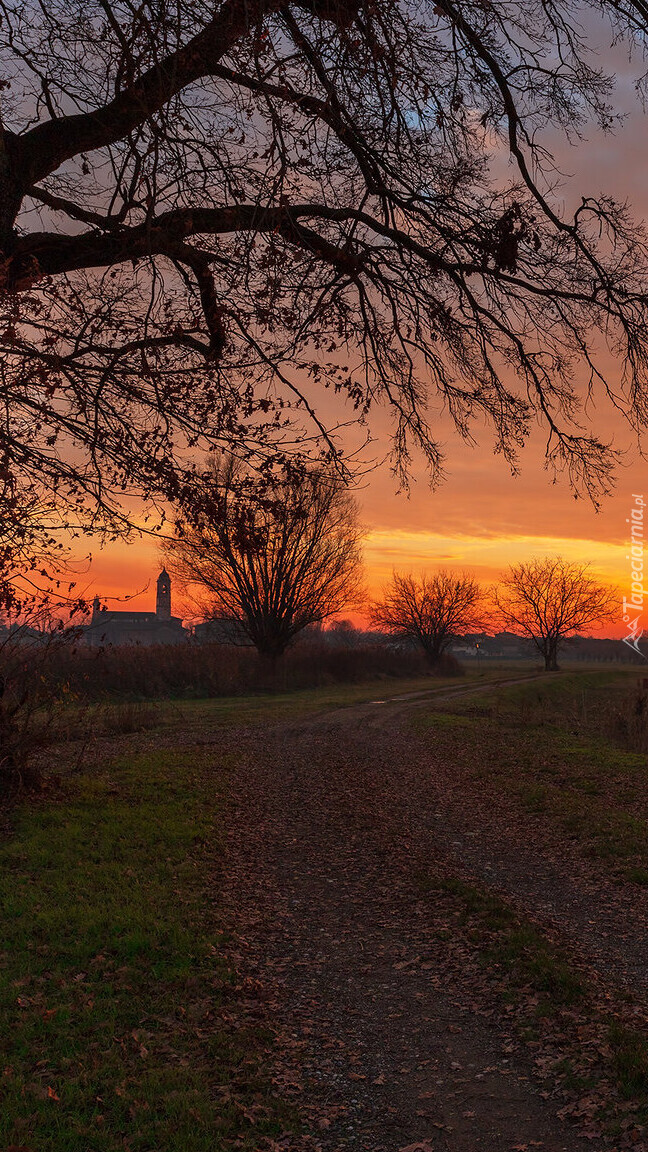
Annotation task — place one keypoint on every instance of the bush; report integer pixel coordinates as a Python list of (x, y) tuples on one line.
[(630, 721), (31, 692), (208, 670), (448, 665)]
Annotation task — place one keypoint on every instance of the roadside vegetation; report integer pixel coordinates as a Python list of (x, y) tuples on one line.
[(217, 670), (56, 692), (569, 754), (113, 981)]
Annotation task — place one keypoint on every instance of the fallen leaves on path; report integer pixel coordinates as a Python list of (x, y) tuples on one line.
[(381, 996)]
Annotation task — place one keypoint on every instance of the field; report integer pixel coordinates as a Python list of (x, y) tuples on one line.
[(394, 915)]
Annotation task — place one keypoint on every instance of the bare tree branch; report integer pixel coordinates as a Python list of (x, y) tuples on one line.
[(551, 599), (206, 220), (273, 562)]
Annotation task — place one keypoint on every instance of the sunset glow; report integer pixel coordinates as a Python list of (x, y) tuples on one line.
[(598, 539)]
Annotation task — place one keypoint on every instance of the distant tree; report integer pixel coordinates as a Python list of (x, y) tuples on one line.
[(274, 560), (345, 634), (434, 610), (551, 599), (210, 211)]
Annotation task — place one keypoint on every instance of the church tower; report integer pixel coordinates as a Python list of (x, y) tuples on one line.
[(163, 601)]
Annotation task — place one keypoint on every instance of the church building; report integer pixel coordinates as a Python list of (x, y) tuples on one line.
[(145, 628)]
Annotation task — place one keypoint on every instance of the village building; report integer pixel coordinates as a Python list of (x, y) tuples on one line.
[(144, 628), (221, 630)]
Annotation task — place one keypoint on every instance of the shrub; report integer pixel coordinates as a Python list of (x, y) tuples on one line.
[(208, 670), (629, 721), (31, 691)]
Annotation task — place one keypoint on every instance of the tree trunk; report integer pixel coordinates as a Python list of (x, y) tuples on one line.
[(551, 659), (433, 654), (269, 659), (270, 652)]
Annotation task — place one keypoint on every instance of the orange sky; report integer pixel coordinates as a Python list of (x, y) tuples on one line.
[(481, 518)]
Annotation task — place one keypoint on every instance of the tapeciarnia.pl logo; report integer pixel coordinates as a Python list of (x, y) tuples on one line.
[(633, 606)]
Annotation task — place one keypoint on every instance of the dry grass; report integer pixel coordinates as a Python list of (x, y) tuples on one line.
[(569, 751), (213, 670)]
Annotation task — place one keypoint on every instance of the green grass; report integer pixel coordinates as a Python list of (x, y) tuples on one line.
[(636, 875), (630, 1060), (579, 700), (515, 946), (201, 717), (446, 720), (547, 747), (111, 973)]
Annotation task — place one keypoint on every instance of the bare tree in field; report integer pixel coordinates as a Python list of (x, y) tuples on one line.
[(433, 610), (209, 213), (276, 561), (551, 599)]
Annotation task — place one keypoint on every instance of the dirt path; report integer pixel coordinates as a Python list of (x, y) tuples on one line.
[(385, 1044), (605, 919), (504, 848)]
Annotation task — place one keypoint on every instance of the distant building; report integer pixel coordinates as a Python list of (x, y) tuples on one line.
[(221, 630), (145, 628)]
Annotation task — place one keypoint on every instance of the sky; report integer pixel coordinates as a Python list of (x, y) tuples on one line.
[(481, 518)]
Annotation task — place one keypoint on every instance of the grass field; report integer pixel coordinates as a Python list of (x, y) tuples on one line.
[(566, 749), (230, 711), (111, 973)]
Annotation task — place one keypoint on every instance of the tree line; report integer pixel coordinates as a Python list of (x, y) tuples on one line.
[(275, 561)]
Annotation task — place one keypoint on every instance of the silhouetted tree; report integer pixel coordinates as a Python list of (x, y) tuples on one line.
[(345, 634), (550, 600), (433, 610), (208, 212), (274, 561)]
